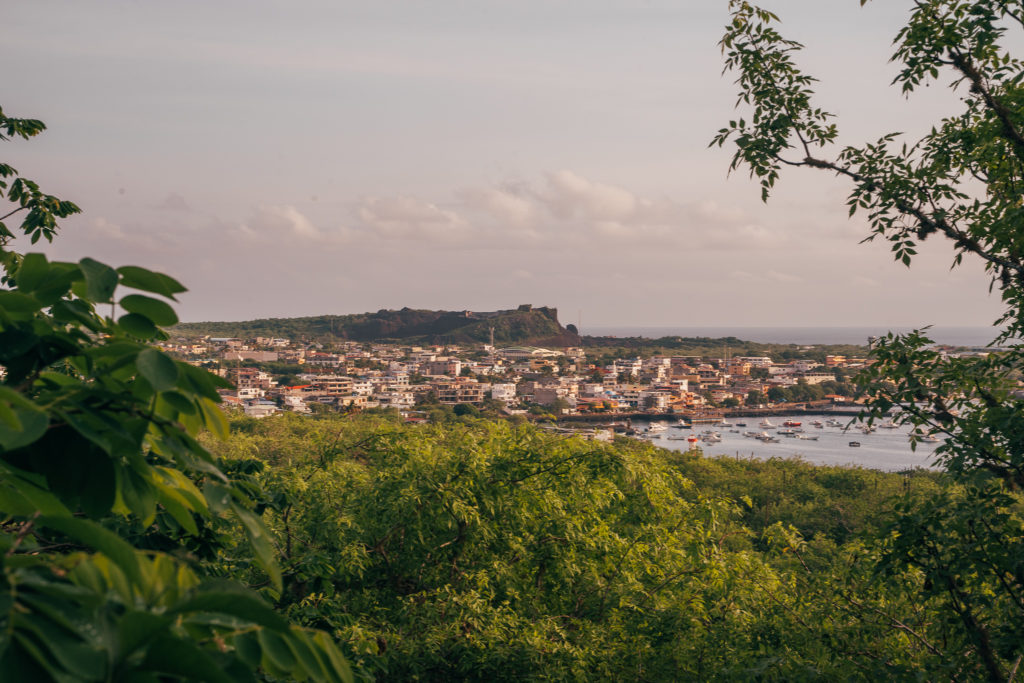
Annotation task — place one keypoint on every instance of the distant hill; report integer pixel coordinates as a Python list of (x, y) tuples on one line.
[(524, 325)]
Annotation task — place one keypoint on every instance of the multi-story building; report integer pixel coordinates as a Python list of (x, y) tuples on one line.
[(460, 391)]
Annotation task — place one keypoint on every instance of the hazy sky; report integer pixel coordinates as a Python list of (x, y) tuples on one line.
[(299, 157)]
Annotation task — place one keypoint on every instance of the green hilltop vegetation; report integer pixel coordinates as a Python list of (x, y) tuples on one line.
[(525, 324), (621, 347), (475, 549)]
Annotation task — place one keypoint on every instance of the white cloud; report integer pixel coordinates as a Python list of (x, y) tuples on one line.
[(410, 218), (280, 221)]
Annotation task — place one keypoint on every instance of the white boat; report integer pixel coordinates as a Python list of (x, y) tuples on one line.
[(807, 437), (657, 427), (888, 424), (725, 423), (767, 423), (931, 438)]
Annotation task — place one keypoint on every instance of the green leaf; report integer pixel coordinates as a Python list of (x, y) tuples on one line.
[(16, 302), (32, 425), (138, 326), (93, 535), (314, 663), (214, 418), (183, 658), (161, 371), (276, 652), (248, 647), (180, 402), (32, 272), (100, 279), (24, 499), (328, 647), (149, 281), (136, 628), (204, 382), (154, 309), (259, 538), (226, 598)]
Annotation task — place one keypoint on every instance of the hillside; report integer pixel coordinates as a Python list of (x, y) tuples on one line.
[(524, 325)]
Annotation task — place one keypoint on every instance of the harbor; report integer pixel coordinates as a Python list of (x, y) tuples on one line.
[(819, 438)]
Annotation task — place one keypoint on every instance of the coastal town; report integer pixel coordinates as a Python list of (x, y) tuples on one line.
[(271, 375)]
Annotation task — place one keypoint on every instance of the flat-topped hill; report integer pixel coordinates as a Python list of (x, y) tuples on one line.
[(523, 325)]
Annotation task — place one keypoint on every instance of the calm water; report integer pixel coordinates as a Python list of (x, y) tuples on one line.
[(956, 336), (884, 449)]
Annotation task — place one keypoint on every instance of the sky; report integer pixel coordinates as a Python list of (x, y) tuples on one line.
[(304, 157)]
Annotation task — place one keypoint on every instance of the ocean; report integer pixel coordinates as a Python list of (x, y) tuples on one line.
[(955, 336)]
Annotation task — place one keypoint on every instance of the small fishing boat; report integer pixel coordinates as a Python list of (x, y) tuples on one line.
[(855, 444)]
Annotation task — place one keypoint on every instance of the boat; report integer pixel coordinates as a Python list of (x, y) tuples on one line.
[(855, 444), (657, 427), (888, 424), (725, 423), (807, 437), (767, 423), (931, 438), (741, 424), (791, 423), (816, 423), (785, 432), (678, 438)]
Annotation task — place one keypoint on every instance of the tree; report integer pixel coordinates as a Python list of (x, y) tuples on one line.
[(759, 373), (961, 181), (116, 525)]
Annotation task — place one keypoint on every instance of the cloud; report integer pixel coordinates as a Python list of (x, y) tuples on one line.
[(279, 223), (568, 195), (503, 204), (174, 202), (410, 218)]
